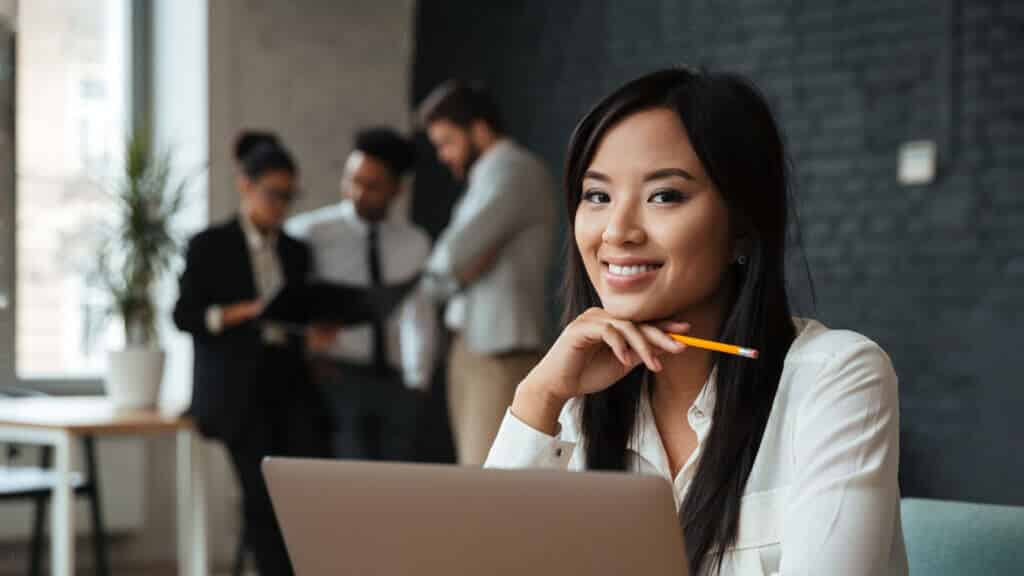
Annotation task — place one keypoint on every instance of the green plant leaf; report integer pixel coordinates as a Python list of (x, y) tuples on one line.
[(142, 244)]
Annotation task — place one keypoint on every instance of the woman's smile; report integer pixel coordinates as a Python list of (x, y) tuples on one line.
[(629, 274)]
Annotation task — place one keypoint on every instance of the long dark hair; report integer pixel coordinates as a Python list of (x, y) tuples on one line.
[(740, 147)]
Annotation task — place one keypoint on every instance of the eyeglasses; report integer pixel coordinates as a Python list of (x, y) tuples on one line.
[(280, 195)]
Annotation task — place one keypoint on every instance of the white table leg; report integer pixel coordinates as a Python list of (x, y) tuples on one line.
[(193, 559), (62, 548)]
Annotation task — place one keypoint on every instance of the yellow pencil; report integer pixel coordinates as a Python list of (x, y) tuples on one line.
[(716, 346)]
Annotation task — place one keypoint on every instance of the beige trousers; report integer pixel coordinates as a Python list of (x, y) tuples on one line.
[(480, 389)]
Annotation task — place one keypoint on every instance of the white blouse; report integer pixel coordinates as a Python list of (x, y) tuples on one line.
[(822, 497)]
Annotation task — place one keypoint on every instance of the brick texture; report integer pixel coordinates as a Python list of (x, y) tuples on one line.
[(934, 273)]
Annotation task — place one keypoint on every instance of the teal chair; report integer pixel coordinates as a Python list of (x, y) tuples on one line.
[(956, 538)]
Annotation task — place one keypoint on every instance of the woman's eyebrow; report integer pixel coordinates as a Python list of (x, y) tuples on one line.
[(668, 173), (656, 175)]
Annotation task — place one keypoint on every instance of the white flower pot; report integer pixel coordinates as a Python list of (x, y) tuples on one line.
[(133, 376)]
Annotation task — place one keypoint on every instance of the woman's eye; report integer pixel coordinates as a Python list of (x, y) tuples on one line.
[(596, 197), (667, 197)]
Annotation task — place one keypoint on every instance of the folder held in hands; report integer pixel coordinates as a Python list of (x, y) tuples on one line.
[(299, 305)]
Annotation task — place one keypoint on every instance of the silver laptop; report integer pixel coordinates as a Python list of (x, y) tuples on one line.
[(344, 517)]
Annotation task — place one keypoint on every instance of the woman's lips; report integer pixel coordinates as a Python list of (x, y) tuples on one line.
[(629, 275)]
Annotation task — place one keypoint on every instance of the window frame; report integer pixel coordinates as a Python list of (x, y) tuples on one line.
[(138, 101)]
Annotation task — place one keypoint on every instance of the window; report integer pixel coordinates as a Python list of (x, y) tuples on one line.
[(72, 111)]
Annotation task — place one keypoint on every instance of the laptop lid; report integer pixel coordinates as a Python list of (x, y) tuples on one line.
[(346, 517)]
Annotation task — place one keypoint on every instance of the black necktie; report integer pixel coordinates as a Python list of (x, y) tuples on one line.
[(373, 256)]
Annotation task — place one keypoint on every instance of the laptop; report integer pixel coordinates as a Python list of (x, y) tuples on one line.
[(368, 518)]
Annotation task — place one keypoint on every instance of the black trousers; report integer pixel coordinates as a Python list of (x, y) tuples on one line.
[(371, 414), (293, 424), (262, 533)]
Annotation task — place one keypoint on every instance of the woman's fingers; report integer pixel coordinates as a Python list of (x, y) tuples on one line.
[(638, 343), (617, 343), (632, 343), (673, 327), (662, 340), (592, 329)]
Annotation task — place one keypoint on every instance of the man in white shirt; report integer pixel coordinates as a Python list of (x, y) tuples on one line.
[(373, 376), (490, 263)]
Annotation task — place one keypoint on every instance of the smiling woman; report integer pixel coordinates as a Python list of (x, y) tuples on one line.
[(678, 194), (650, 221)]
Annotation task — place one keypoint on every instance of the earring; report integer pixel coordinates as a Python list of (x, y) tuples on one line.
[(741, 260)]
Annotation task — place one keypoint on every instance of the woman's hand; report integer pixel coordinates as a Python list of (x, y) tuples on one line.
[(320, 337), (593, 352), (241, 312)]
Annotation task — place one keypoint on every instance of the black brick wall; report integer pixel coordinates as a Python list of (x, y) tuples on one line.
[(934, 273)]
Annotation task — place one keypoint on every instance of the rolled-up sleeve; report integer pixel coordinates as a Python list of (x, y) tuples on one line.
[(518, 445), (215, 319), (497, 213), (844, 506), (418, 334)]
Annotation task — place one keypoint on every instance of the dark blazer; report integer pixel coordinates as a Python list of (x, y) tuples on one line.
[(241, 387)]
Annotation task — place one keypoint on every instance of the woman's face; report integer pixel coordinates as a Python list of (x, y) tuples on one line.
[(651, 227), (268, 198)]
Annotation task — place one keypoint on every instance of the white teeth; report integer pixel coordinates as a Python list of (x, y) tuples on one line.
[(630, 270)]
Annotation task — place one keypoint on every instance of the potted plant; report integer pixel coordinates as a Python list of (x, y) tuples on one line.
[(138, 249)]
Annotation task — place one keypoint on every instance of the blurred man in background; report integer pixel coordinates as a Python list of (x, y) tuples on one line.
[(490, 263), (373, 376)]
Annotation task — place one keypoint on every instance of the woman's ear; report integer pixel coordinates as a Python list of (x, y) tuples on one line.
[(741, 250)]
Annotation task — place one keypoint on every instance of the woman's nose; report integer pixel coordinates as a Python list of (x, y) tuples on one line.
[(623, 227)]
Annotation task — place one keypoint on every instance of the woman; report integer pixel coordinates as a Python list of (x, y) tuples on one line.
[(250, 387), (677, 189)]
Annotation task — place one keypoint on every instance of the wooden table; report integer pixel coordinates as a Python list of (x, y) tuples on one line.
[(57, 421)]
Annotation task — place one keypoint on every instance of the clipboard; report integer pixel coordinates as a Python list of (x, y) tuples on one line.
[(321, 302)]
